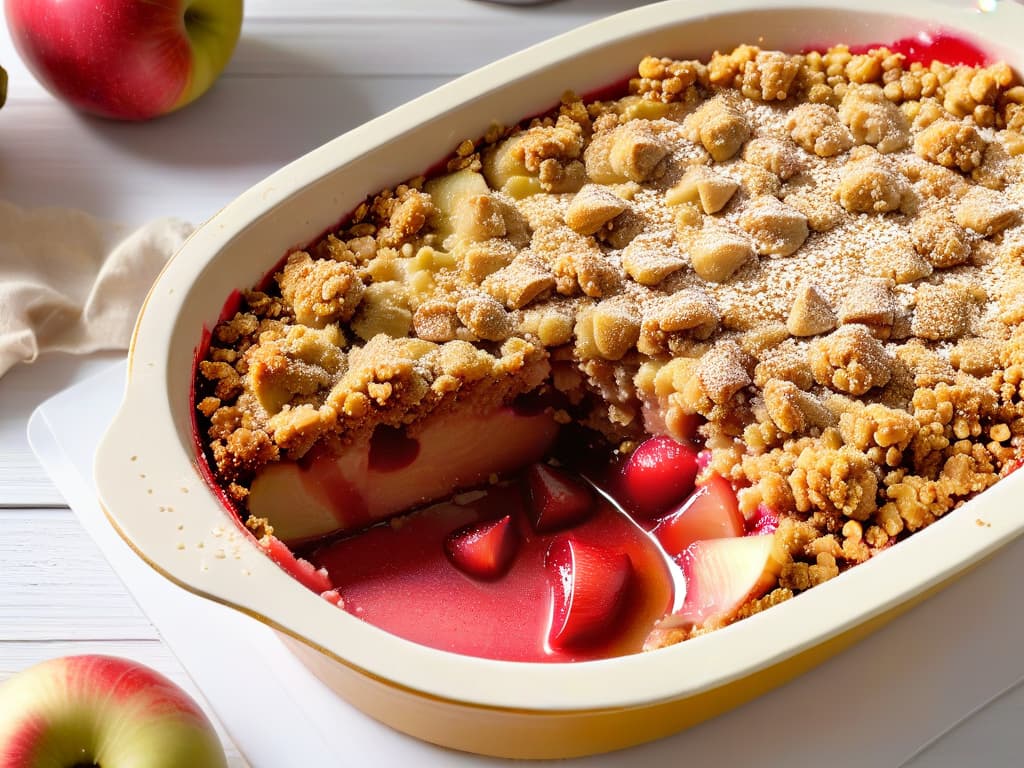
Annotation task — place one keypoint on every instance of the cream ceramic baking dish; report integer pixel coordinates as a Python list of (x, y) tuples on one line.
[(148, 475)]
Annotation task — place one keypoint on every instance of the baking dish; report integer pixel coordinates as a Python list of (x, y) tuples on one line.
[(150, 483)]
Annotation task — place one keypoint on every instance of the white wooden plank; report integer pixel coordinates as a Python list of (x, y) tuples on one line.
[(400, 44), (188, 164), (56, 585), (22, 481), (17, 656), (396, 37), (991, 737)]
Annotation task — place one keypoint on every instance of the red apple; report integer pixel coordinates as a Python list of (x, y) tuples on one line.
[(126, 59), (102, 711)]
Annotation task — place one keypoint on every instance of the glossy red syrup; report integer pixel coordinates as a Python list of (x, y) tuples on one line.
[(397, 577), (926, 47)]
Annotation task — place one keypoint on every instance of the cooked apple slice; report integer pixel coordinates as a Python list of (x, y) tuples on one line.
[(711, 512), (502, 162), (332, 489), (722, 575), (448, 192), (658, 475), (484, 550), (519, 187), (557, 499), (589, 585)]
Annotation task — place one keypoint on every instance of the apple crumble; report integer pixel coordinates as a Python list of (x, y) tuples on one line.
[(811, 266)]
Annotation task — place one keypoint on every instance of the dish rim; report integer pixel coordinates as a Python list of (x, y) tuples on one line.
[(699, 664)]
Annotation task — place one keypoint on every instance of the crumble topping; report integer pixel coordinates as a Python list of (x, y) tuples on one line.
[(821, 255)]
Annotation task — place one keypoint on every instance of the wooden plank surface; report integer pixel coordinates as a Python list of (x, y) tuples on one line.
[(56, 586)]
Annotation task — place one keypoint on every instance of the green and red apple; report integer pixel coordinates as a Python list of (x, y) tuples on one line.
[(102, 712), (125, 59)]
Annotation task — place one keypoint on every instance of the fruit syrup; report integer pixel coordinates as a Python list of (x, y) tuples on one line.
[(472, 574), (571, 559)]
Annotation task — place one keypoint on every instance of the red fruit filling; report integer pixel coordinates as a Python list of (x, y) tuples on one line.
[(926, 47), (711, 512), (484, 550), (419, 577), (658, 474), (308, 574), (557, 499), (589, 586), (764, 520)]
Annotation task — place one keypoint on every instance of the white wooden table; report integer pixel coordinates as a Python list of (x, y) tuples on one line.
[(304, 72)]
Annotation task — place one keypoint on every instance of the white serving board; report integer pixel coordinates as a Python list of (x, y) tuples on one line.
[(880, 703)]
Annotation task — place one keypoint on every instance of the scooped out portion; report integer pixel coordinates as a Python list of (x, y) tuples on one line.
[(544, 564), (336, 488)]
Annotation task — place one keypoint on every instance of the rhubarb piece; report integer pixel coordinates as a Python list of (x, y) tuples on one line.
[(484, 550), (721, 576), (335, 489), (711, 512), (557, 499), (659, 474), (589, 587), (304, 571)]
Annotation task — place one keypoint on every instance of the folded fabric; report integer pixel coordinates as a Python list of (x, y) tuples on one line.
[(70, 282)]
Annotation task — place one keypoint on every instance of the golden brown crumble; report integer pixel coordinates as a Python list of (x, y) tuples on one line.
[(820, 254), (952, 144)]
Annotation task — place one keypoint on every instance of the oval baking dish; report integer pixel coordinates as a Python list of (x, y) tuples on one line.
[(154, 493)]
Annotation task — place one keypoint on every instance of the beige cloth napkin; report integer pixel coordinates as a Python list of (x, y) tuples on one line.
[(70, 282)]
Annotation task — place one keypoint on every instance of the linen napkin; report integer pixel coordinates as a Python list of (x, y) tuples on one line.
[(70, 282)]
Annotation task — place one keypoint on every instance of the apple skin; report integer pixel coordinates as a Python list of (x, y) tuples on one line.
[(125, 59), (102, 711)]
